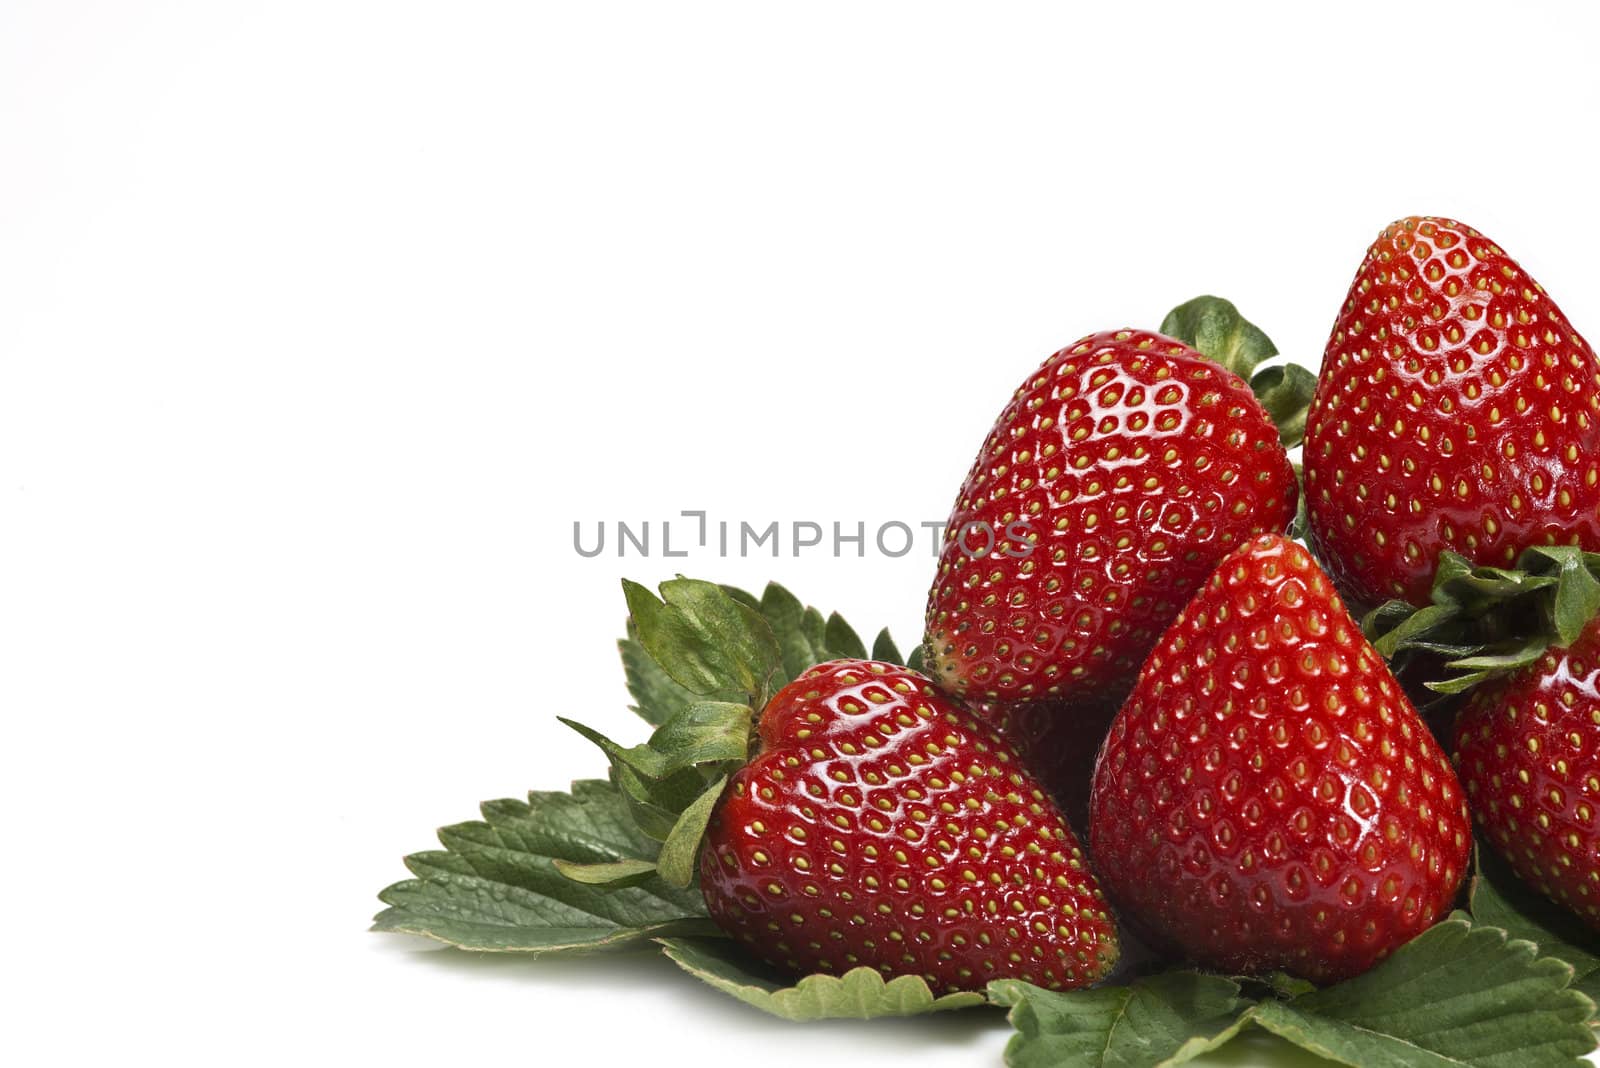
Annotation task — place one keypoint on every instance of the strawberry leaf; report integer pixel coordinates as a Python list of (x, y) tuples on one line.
[(705, 640), (657, 698), (495, 885), (1500, 899), (858, 994), (1457, 994), (1161, 1020)]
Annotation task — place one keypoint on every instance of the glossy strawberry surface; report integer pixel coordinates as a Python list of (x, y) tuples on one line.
[(881, 824), (1121, 471), (1528, 753), (1456, 409), (1268, 798)]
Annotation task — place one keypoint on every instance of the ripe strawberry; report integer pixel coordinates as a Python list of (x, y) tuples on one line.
[(1120, 473), (1057, 741), (1528, 751), (1268, 798), (881, 824), (1456, 409)]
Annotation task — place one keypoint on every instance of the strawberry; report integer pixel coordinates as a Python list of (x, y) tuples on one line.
[(1057, 741), (1456, 409), (1528, 752), (880, 823), (1267, 797), (1122, 470)]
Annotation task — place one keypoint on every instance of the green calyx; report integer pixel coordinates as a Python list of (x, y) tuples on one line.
[(702, 660), (1214, 328), (1489, 621)]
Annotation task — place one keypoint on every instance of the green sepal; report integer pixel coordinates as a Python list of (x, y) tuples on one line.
[(616, 873), (842, 640), (884, 649), (859, 994), (665, 777), (1488, 621), (1214, 328), (681, 850), (705, 640), (1285, 392)]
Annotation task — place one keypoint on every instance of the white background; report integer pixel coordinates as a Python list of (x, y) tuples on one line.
[(320, 324)]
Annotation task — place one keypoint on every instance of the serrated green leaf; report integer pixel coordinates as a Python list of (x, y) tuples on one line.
[(1161, 1020), (1456, 995), (1214, 328), (657, 698), (884, 649), (918, 659), (495, 886), (1500, 899), (681, 850), (858, 994), (1285, 392), (705, 640)]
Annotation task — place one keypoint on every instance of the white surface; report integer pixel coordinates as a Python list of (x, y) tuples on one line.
[(321, 322)]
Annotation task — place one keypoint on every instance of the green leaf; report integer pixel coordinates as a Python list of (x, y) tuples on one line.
[(1456, 995), (884, 649), (682, 847), (608, 873), (1577, 597), (705, 640), (918, 659), (1488, 621), (858, 994), (1500, 899), (1161, 1020), (657, 698), (842, 639), (1394, 624), (495, 885), (707, 732), (1214, 328), (799, 631), (663, 778), (1285, 392)]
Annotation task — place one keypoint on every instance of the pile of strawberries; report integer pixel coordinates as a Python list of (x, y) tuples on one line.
[(1143, 724), (1144, 657)]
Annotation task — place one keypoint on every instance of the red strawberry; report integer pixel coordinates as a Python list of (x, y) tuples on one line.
[(1057, 741), (1110, 486), (1456, 409), (1528, 751), (1268, 798), (881, 824)]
